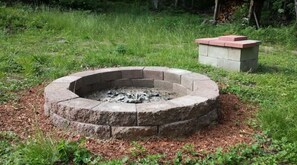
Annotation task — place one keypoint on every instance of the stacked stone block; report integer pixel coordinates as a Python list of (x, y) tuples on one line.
[(232, 52), (195, 108)]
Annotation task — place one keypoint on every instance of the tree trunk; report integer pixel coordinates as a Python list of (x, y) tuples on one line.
[(258, 5), (256, 20), (296, 9), (251, 11), (215, 14), (175, 3), (155, 4), (255, 12)]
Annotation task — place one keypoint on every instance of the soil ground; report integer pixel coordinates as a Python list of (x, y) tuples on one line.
[(25, 117)]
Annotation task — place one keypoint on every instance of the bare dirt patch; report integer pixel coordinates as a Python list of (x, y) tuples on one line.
[(25, 117)]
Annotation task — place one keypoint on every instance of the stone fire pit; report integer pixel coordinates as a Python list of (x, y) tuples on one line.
[(194, 105)]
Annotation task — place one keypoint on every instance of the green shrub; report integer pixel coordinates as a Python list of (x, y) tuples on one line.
[(72, 152)]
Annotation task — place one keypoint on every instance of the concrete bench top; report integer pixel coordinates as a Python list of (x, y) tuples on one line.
[(233, 41)]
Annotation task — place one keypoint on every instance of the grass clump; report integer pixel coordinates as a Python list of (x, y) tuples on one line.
[(43, 150), (39, 44), (263, 151)]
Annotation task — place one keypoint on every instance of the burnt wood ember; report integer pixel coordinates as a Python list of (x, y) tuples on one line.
[(132, 95)]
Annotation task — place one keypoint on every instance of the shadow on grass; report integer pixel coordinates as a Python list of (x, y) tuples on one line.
[(262, 69)]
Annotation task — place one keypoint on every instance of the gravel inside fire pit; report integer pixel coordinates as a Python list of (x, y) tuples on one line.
[(132, 95)]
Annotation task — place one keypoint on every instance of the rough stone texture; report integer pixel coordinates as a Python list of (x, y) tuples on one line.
[(96, 77), (181, 128), (149, 114), (187, 80), (122, 83), (55, 93), (134, 132), (203, 88), (86, 129), (163, 85), (155, 73), (179, 116), (132, 72), (174, 75), (143, 83), (99, 131), (85, 90), (196, 106), (59, 121), (68, 80), (115, 114), (54, 86), (167, 112), (181, 90), (77, 109), (88, 80), (187, 127), (207, 119), (110, 76)]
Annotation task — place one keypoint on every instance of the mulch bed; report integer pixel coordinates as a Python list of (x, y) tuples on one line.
[(25, 117)]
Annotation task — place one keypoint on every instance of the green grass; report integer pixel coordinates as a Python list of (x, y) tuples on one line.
[(40, 44)]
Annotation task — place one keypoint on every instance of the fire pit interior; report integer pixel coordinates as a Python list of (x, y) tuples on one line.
[(130, 102), (132, 95)]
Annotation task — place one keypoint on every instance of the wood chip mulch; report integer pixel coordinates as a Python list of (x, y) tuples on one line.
[(25, 117)]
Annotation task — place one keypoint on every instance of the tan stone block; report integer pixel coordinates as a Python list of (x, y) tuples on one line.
[(149, 83), (177, 129), (134, 132), (122, 83), (187, 80), (174, 75), (179, 89), (132, 72), (156, 73), (165, 85), (115, 114)]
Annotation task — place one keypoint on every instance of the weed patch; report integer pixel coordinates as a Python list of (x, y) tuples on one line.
[(41, 44)]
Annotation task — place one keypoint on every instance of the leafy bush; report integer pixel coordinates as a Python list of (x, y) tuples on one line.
[(95, 5), (72, 152), (43, 150), (13, 21)]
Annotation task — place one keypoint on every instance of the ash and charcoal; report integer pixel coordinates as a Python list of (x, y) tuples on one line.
[(132, 95)]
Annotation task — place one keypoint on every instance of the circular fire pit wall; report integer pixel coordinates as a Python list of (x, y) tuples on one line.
[(194, 105)]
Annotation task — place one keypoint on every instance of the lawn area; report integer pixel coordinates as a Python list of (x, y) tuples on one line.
[(40, 44)]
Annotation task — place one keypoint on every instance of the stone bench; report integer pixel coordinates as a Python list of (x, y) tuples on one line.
[(231, 52)]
